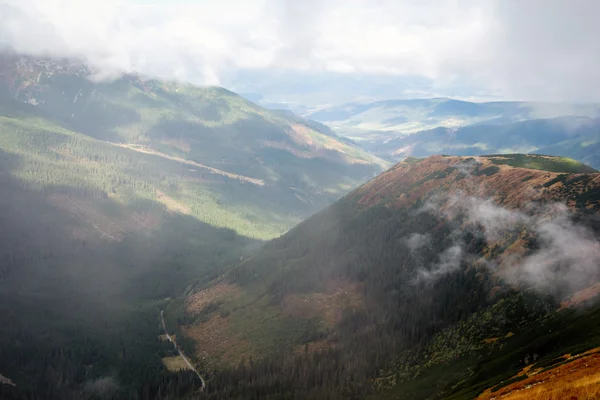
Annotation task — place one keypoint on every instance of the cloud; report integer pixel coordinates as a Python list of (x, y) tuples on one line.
[(181, 41), (104, 387), (449, 261), (496, 221), (416, 241), (568, 257), (543, 50), (565, 256)]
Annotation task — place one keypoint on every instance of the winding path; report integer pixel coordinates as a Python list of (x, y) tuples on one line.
[(189, 364)]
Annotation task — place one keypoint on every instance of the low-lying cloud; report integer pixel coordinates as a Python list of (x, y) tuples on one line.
[(542, 50), (103, 387), (565, 255), (449, 261), (568, 257), (417, 240)]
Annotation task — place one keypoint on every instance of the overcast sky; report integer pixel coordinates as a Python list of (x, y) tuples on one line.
[(513, 49)]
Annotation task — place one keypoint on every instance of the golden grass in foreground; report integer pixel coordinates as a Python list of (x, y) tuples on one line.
[(175, 363), (577, 380)]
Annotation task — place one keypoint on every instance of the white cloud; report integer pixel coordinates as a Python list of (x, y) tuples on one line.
[(449, 261), (566, 256), (537, 49), (416, 241)]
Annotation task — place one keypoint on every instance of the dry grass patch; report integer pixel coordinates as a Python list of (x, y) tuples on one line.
[(490, 340), (223, 291), (339, 296), (577, 380), (172, 204), (217, 345), (581, 296), (403, 185), (176, 363)]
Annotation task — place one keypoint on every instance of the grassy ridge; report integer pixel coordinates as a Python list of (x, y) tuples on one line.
[(541, 162)]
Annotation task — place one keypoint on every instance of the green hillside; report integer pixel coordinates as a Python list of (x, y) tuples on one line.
[(541, 162), (437, 279), (299, 168), (119, 196)]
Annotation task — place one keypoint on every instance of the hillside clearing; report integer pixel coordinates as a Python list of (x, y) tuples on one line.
[(176, 363), (147, 150)]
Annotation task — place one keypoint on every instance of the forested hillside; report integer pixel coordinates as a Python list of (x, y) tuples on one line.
[(442, 277), (118, 195), (298, 166)]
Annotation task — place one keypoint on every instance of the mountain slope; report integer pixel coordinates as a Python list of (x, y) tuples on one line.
[(117, 196), (303, 165), (444, 268)]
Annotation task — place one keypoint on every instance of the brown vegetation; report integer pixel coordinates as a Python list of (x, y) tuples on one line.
[(172, 204), (339, 296), (217, 344), (175, 363), (513, 188), (581, 296), (302, 135), (220, 292), (578, 379)]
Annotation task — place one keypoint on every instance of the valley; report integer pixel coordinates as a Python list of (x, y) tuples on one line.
[(162, 240), (119, 196)]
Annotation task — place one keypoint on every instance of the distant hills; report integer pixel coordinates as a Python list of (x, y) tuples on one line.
[(386, 119), (441, 278), (393, 129), (575, 137)]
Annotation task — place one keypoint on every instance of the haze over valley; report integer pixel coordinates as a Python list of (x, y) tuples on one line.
[(284, 200)]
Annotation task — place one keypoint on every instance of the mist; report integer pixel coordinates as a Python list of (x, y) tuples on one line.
[(563, 255), (506, 49)]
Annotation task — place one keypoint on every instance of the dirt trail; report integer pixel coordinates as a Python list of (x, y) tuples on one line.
[(145, 150), (189, 364)]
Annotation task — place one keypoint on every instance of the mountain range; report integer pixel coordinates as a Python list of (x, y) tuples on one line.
[(393, 129), (386, 119), (575, 137), (160, 240)]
